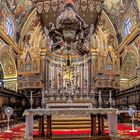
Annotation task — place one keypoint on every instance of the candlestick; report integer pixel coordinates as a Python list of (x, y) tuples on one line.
[(62, 72), (53, 67), (43, 98), (81, 73), (81, 80), (31, 99), (87, 79), (110, 98), (53, 71), (84, 68), (51, 75), (100, 99), (58, 79), (61, 63), (31, 95)]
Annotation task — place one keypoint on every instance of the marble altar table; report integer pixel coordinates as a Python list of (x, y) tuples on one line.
[(65, 112)]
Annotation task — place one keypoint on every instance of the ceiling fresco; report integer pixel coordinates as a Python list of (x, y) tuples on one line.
[(88, 10), (117, 9), (19, 9)]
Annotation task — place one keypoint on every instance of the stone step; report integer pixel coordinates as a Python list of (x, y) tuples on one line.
[(71, 119), (70, 126), (69, 123)]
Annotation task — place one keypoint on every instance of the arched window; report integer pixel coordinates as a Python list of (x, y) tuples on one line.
[(127, 27), (109, 65), (28, 62), (10, 26)]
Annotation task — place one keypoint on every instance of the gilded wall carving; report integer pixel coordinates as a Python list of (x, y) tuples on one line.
[(8, 64), (128, 71)]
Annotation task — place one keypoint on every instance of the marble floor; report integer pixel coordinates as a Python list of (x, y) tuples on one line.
[(18, 133)]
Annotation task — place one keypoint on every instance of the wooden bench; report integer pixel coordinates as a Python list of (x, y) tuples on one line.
[(3, 120), (126, 117), (137, 117)]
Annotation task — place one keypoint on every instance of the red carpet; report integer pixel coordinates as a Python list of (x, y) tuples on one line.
[(16, 133), (70, 132), (123, 133), (124, 129)]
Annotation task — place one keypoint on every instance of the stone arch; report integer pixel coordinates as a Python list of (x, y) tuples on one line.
[(28, 39), (105, 36), (32, 38)]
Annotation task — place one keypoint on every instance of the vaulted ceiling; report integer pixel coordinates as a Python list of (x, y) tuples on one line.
[(87, 10), (115, 9)]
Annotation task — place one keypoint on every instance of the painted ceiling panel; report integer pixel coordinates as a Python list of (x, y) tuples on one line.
[(23, 7), (20, 9)]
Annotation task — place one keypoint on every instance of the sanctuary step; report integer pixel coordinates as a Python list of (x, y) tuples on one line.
[(82, 123), (82, 138)]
